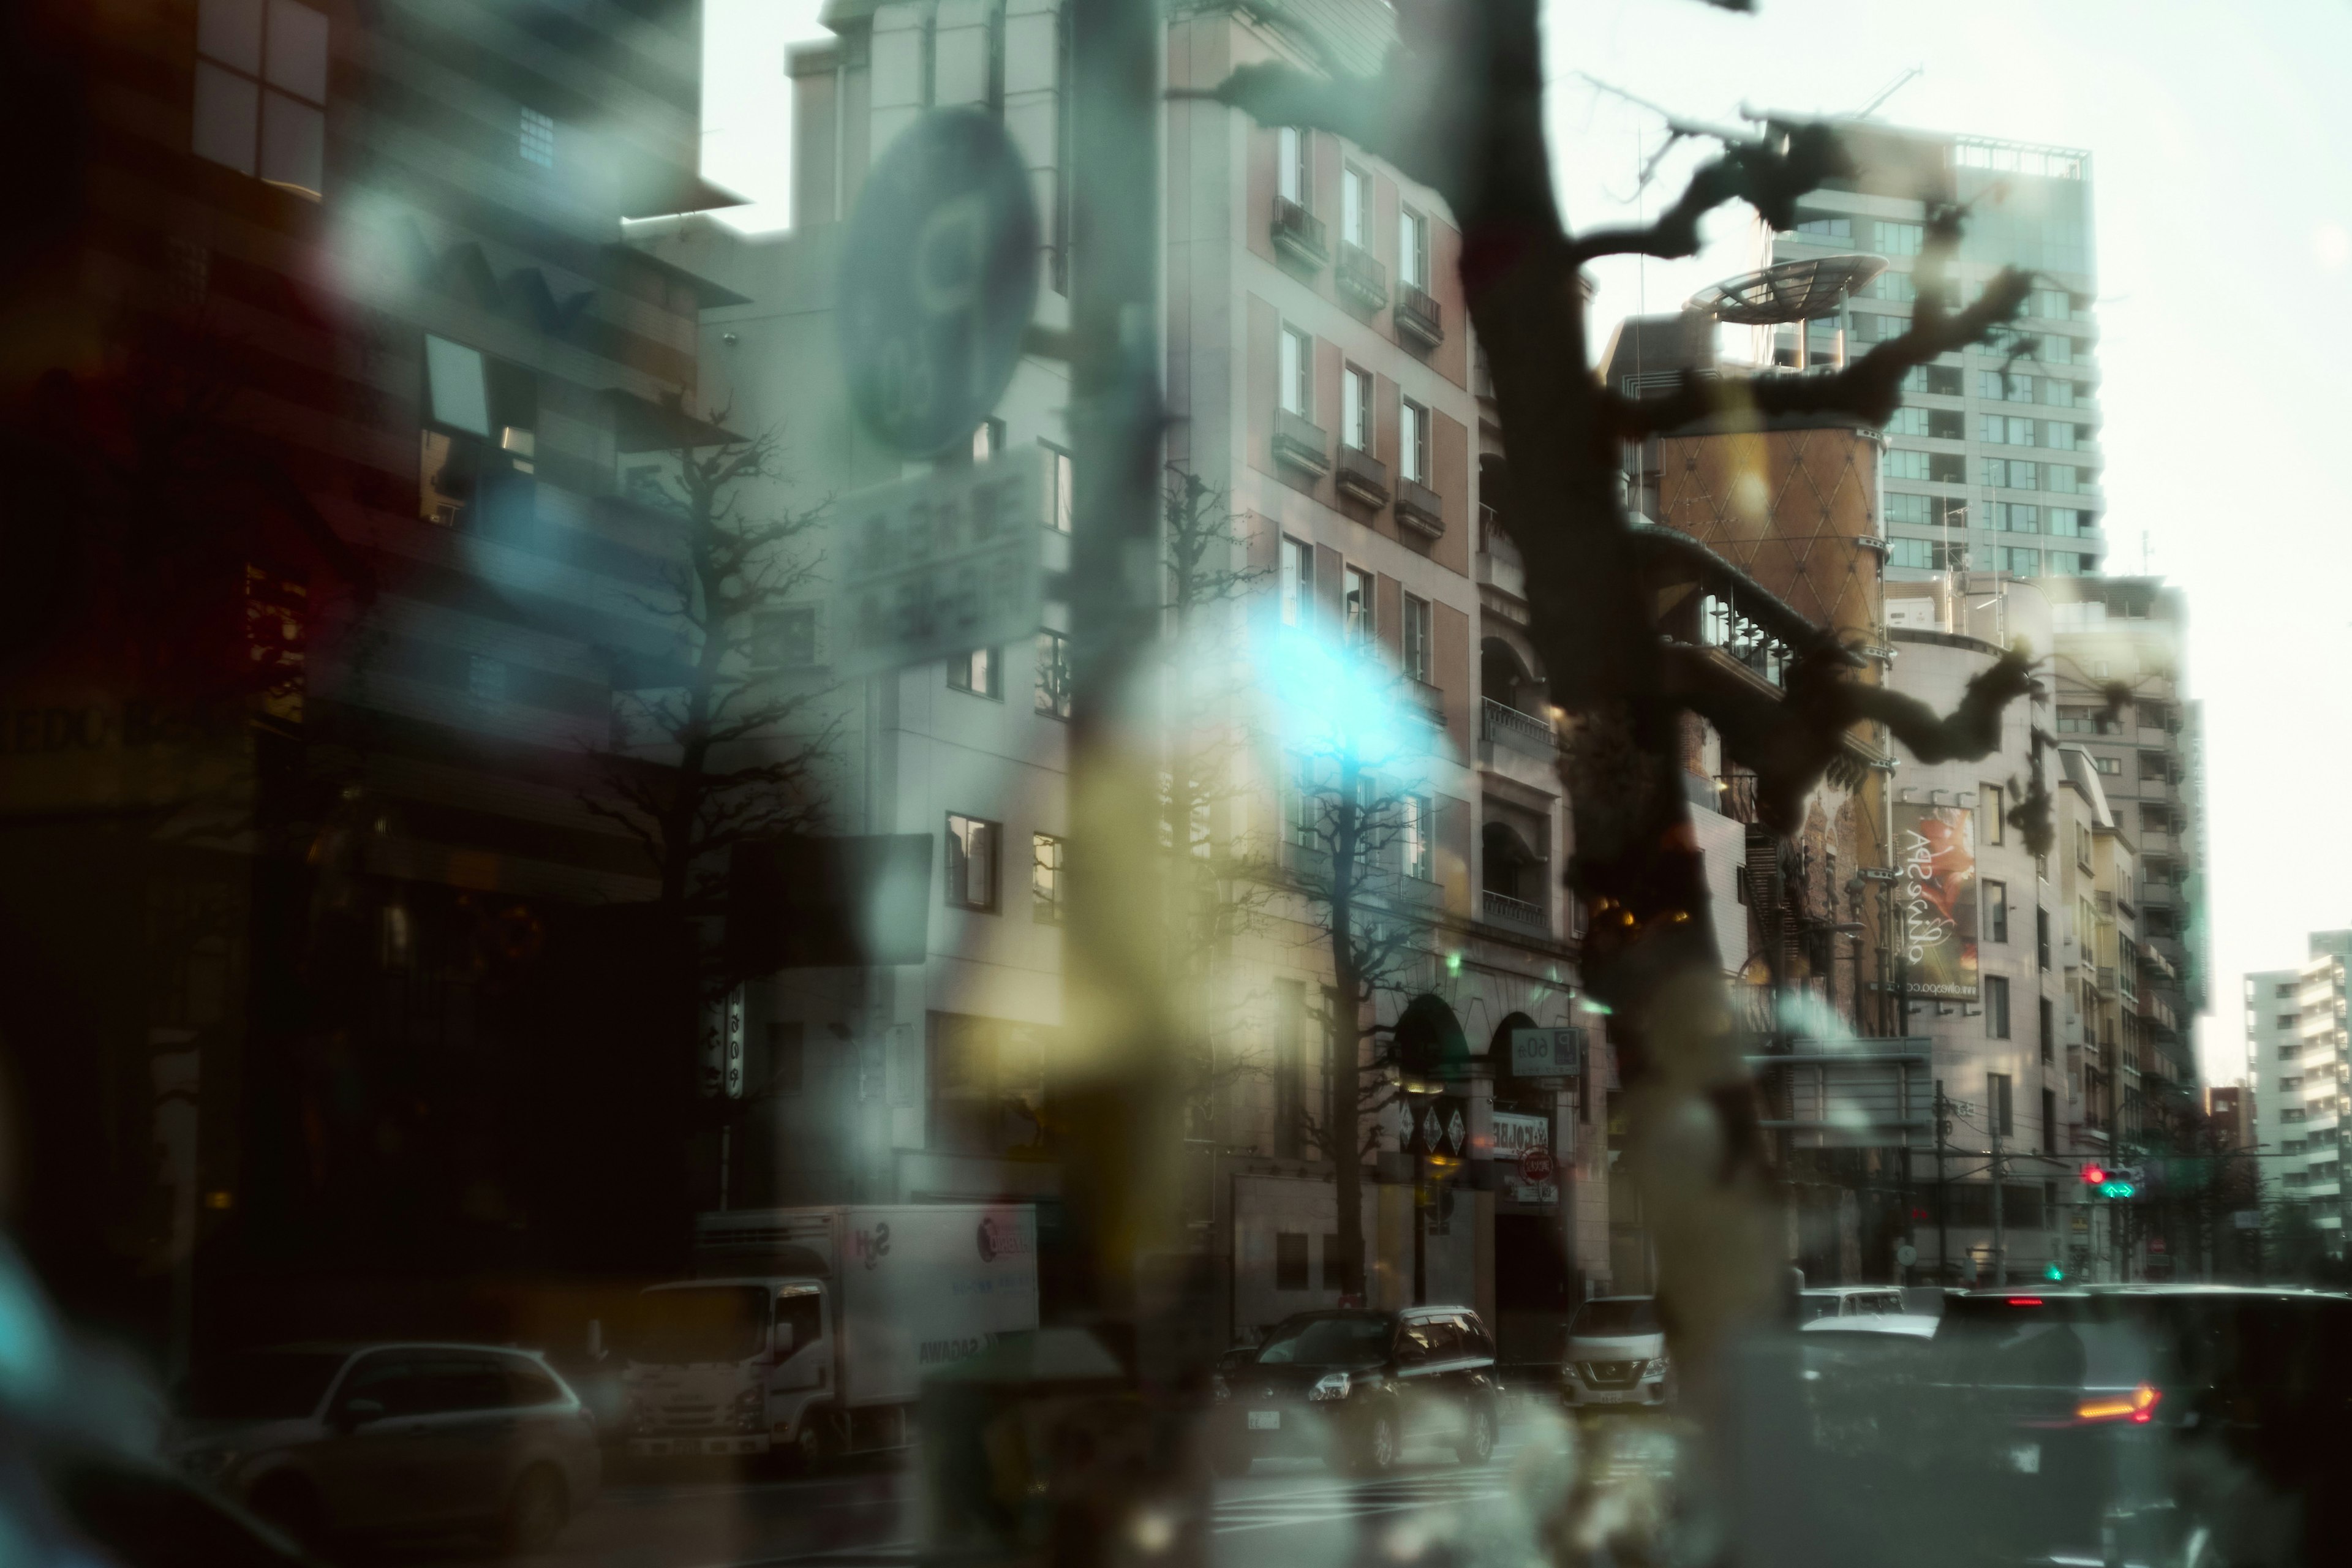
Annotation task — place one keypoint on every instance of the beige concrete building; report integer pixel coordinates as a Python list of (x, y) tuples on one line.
[(1320, 382)]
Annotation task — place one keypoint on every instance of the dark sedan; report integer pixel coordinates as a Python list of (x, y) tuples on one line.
[(1353, 1387)]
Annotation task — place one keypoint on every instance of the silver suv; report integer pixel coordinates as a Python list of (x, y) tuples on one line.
[(329, 1440)]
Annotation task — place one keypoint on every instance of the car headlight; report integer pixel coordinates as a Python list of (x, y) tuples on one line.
[(1653, 1369), (1567, 1372), (749, 1405), (1332, 1385), (1218, 1389)]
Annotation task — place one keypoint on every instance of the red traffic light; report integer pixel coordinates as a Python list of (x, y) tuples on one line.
[(2093, 1174)]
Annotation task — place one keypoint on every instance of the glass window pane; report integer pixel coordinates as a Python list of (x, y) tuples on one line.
[(293, 144), (459, 396), (228, 109), (298, 50), (230, 31)]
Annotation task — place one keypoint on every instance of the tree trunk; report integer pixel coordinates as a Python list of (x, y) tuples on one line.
[(1344, 1126)]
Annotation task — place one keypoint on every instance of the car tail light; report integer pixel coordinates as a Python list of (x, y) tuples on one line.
[(2138, 1406), (2025, 1300)]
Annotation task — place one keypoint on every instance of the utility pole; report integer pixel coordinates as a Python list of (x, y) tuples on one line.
[(1999, 1236), (1943, 1190)]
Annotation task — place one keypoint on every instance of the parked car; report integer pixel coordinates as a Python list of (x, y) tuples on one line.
[(1354, 1387), (1616, 1355), (334, 1440), (1848, 1302)]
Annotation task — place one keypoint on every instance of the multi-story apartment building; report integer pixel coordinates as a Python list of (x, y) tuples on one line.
[(2131, 633), (1319, 382), (296, 896), (2299, 1062), (1993, 462)]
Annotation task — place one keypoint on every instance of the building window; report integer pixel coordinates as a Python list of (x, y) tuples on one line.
[(1302, 814), (1996, 908), (2048, 1019), (1996, 1007), (2049, 1118), (2000, 1107), (1417, 829), (262, 91), (1902, 463), (1989, 801), (1297, 371), (971, 863), (1416, 638), (785, 638), (1054, 674), (2108, 764), (538, 139), (1357, 606), (1298, 584), (1290, 1260), (1355, 207), (1413, 442), (987, 439), (1898, 238), (1827, 227), (980, 672), (2019, 563), (1356, 408), (1064, 491), (1045, 879), (1412, 249), (1292, 173), (2041, 939), (1913, 553)]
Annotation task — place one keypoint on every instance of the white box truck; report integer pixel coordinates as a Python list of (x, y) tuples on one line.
[(811, 1328)]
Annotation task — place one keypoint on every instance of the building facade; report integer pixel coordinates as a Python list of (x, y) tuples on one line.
[(1319, 382), (2296, 1058), (1993, 461)]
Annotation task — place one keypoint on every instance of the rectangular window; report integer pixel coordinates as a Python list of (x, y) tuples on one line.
[(1054, 674), (1045, 879), (1297, 373), (1907, 421), (2041, 938), (2048, 1020), (1996, 1007), (2059, 392), (2021, 562), (1827, 227), (2021, 433), (2018, 388), (2058, 435), (1913, 553), (1418, 828), (1902, 463), (1356, 408), (1293, 148), (2067, 480), (785, 638), (987, 439), (1297, 582), (1064, 491), (1412, 249), (1302, 808), (1355, 207), (1413, 442), (537, 140), (1290, 1260), (1947, 469), (1897, 239), (980, 672), (2020, 517), (2049, 1117), (972, 862), (456, 386), (1357, 607), (262, 91), (1416, 638), (1996, 909), (1943, 380)]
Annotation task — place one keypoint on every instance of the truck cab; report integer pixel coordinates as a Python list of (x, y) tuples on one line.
[(728, 1366)]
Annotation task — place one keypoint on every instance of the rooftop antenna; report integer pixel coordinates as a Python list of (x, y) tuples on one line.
[(1897, 85)]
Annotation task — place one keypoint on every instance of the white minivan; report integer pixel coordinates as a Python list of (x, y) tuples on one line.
[(1616, 1355)]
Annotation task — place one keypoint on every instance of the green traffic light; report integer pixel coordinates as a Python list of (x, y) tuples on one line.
[(2115, 1189), (2053, 1273)]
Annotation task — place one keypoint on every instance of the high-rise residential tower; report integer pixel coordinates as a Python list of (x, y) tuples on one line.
[(1993, 461), (2296, 1055)]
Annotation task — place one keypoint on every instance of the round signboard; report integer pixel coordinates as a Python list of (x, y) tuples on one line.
[(1906, 1255), (939, 280), (1534, 1167)]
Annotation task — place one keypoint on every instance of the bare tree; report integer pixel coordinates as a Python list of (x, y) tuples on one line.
[(712, 746), (1360, 828), (1220, 888), (1459, 106)]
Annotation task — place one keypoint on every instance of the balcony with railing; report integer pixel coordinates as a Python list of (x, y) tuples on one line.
[(1418, 316), (1500, 564), (1361, 278), (1301, 443), (2106, 980), (1502, 724), (1299, 234), (1501, 909), (1362, 477)]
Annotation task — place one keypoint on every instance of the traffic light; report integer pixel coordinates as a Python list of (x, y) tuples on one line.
[(2055, 1275), (2106, 1183)]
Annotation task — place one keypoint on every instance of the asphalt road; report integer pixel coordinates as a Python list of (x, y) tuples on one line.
[(1286, 1513)]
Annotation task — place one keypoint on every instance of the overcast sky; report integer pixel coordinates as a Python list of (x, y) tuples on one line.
[(2224, 224)]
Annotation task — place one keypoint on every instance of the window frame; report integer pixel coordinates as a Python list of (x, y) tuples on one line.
[(1357, 389), (988, 834), (280, 91), (1294, 373), (1412, 441), (1359, 607), (1414, 637), (1295, 582), (1052, 693), (1412, 248), (968, 674), (1048, 865), (1294, 172)]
